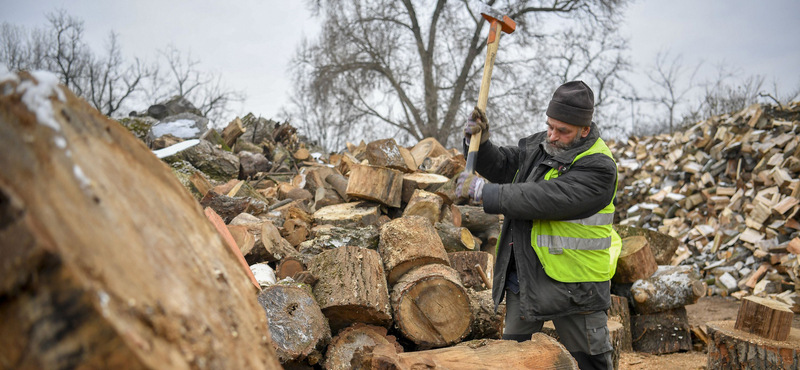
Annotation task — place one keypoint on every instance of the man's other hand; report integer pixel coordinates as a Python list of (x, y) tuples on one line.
[(470, 186)]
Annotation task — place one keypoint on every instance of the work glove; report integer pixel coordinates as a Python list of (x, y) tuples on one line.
[(470, 186), (477, 123)]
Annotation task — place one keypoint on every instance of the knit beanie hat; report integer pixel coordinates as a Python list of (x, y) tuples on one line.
[(573, 103)]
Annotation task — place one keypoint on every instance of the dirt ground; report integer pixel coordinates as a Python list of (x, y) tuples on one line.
[(706, 309)]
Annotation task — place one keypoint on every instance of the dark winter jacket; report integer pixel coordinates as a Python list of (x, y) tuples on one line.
[(581, 190)]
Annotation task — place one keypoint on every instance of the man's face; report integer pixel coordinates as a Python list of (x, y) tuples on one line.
[(562, 136)]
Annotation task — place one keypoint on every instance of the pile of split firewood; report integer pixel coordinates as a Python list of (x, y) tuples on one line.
[(727, 188)]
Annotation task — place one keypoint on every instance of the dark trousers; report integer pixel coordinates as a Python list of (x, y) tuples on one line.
[(585, 336)]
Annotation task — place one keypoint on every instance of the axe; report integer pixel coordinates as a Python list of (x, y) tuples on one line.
[(498, 23)]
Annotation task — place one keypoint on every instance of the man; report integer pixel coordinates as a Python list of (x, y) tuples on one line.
[(557, 250)]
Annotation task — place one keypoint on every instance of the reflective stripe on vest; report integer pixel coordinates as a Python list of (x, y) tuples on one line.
[(580, 250)]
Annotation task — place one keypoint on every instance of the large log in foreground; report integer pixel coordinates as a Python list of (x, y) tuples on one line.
[(74, 188), (540, 353), (669, 287), (729, 348), (431, 307), (764, 317)]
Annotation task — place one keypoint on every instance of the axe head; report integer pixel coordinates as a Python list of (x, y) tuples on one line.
[(493, 15)]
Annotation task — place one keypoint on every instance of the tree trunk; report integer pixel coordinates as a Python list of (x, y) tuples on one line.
[(455, 239), (662, 332), (409, 242), (431, 306), (425, 204), (298, 328), (668, 288), (635, 261), (106, 260), (486, 324), (620, 311), (539, 353), (359, 338), (465, 262), (352, 287), (481, 224), (379, 184), (765, 318), (347, 215), (729, 348)]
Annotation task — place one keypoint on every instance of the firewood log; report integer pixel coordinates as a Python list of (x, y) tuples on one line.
[(347, 214), (233, 131), (409, 242), (244, 240), (386, 153), (419, 180), (635, 261), (339, 183), (464, 262), (230, 207), (669, 287), (298, 328), (482, 225), (729, 348), (428, 147), (764, 317), (75, 186), (620, 311), (295, 231), (288, 267), (359, 338), (541, 352), (661, 332), (379, 184), (431, 307), (425, 204), (352, 287), (486, 324), (616, 334), (662, 245), (273, 246), (455, 239)]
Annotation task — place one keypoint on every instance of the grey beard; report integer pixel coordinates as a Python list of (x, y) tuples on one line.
[(558, 148)]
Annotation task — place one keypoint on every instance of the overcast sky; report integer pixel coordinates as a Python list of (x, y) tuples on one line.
[(250, 42)]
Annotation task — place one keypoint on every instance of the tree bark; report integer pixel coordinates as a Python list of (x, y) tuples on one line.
[(409, 242), (425, 204), (431, 306), (668, 288), (352, 287), (464, 262), (359, 338), (455, 239), (72, 297), (765, 318), (635, 261), (620, 311), (386, 153), (729, 348), (662, 332), (379, 184), (486, 324), (298, 328), (482, 225)]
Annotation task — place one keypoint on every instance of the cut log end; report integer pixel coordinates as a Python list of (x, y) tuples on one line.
[(730, 348)]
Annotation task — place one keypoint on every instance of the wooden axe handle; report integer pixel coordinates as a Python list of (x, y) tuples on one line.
[(483, 95)]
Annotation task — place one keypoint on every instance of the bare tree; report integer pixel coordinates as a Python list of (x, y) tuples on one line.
[(110, 82), (71, 56), (724, 95), (21, 49), (415, 67), (669, 76)]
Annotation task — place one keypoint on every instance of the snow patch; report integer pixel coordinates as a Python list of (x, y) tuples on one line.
[(36, 97), (82, 179), (182, 128), (173, 149), (61, 143)]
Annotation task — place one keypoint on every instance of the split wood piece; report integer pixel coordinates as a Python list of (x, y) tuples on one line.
[(482, 225), (230, 207), (419, 180), (662, 245), (252, 163), (620, 311), (339, 183), (764, 317), (335, 237), (386, 153), (200, 183), (288, 267), (451, 215), (297, 325), (409, 242), (616, 334), (359, 338), (324, 197), (669, 287), (486, 324), (431, 307), (352, 214), (756, 276), (425, 204), (233, 131), (352, 287), (729, 348), (445, 165), (295, 231), (380, 184), (72, 298), (455, 239), (428, 147), (541, 352), (635, 261), (244, 240), (273, 246), (215, 220), (661, 332), (464, 263)]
